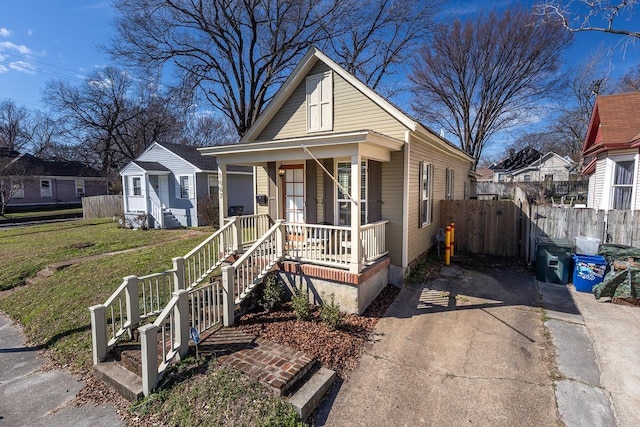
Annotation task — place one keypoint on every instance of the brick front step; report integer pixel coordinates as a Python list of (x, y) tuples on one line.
[(274, 365)]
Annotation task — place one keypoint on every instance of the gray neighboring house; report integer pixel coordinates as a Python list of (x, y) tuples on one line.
[(167, 181), (29, 182)]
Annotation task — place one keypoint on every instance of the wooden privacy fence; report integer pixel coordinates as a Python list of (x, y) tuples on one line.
[(102, 206), (511, 229)]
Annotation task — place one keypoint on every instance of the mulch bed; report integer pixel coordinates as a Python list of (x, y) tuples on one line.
[(338, 349)]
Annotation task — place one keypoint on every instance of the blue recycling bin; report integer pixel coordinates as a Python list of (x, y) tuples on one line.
[(588, 270)]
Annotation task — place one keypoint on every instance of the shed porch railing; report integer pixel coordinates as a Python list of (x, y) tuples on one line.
[(163, 306)]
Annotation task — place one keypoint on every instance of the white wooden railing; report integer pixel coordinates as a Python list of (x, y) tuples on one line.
[(140, 298), (158, 214), (373, 238), (253, 226), (322, 244), (167, 337), (205, 258), (240, 278), (205, 304)]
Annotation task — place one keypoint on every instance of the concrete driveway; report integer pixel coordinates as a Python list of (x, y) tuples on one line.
[(476, 348)]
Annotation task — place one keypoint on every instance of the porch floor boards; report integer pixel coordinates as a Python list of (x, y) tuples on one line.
[(276, 366)]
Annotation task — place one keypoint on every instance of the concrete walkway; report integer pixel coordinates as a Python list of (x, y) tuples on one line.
[(34, 397), (468, 349), (471, 349), (598, 347)]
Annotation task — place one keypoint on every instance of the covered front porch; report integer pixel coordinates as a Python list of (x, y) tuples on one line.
[(325, 191)]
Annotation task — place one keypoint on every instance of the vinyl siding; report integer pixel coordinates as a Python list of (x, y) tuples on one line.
[(262, 187), (421, 239), (241, 192), (174, 163), (352, 111), (320, 194), (601, 166), (392, 192)]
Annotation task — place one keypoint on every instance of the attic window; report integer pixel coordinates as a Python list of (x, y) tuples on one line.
[(320, 102)]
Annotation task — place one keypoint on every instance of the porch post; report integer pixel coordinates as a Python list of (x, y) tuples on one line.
[(356, 245), (181, 316), (222, 192), (149, 353), (99, 332), (228, 297), (178, 275)]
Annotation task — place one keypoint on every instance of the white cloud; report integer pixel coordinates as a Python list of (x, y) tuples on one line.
[(4, 32), (23, 67), (12, 46), (3, 69), (30, 32)]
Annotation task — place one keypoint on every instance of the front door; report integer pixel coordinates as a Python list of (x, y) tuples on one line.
[(293, 200)]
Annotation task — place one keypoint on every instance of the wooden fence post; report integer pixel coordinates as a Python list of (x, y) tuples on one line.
[(181, 322), (133, 303), (178, 275)]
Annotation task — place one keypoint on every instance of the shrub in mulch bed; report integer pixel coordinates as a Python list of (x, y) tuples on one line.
[(338, 349)]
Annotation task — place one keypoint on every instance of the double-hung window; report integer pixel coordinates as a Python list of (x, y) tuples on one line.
[(136, 183), (623, 184), (344, 203), (213, 185), (426, 193), (184, 187), (79, 188), (45, 188), (320, 102), (17, 189)]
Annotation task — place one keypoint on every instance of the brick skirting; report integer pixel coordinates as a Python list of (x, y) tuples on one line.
[(334, 274)]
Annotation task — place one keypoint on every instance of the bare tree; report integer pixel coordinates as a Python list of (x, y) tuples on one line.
[(110, 121), (591, 15), (630, 82), (486, 75), (382, 34), (14, 126), (206, 130), (236, 53)]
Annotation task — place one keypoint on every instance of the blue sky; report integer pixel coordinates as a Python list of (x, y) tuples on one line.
[(42, 40)]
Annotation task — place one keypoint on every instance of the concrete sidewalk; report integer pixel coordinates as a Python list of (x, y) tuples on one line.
[(598, 357), (467, 349), (34, 397)]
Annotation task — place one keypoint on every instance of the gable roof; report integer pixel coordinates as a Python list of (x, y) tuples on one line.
[(518, 160), (614, 124), (151, 166), (191, 154), (30, 165), (300, 73)]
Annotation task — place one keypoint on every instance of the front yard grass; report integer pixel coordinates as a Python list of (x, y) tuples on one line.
[(26, 250), (55, 316)]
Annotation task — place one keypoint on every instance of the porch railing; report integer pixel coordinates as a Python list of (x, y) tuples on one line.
[(323, 244), (240, 278), (253, 227), (140, 298), (373, 238), (158, 214)]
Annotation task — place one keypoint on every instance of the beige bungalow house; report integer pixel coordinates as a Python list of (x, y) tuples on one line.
[(350, 185)]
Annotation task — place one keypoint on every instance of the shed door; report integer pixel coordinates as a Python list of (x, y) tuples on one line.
[(293, 183)]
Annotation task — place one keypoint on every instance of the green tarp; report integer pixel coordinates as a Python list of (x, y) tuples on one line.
[(619, 284)]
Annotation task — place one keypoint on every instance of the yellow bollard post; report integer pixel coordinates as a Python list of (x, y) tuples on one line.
[(453, 240), (447, 245)]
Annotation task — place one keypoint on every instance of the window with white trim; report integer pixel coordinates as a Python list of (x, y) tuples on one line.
[(136, 184), (79, 187), (17, 189), (623, 184), (213, 185), (343, 203), (449, 190), (184, 187), (45, 188), (501, 177), (426, 193), (320, 102), (527, 178)]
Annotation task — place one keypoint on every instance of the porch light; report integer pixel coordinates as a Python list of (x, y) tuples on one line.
[(281, 171)]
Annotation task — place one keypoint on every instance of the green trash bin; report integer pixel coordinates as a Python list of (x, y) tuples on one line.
[(553, 260)]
